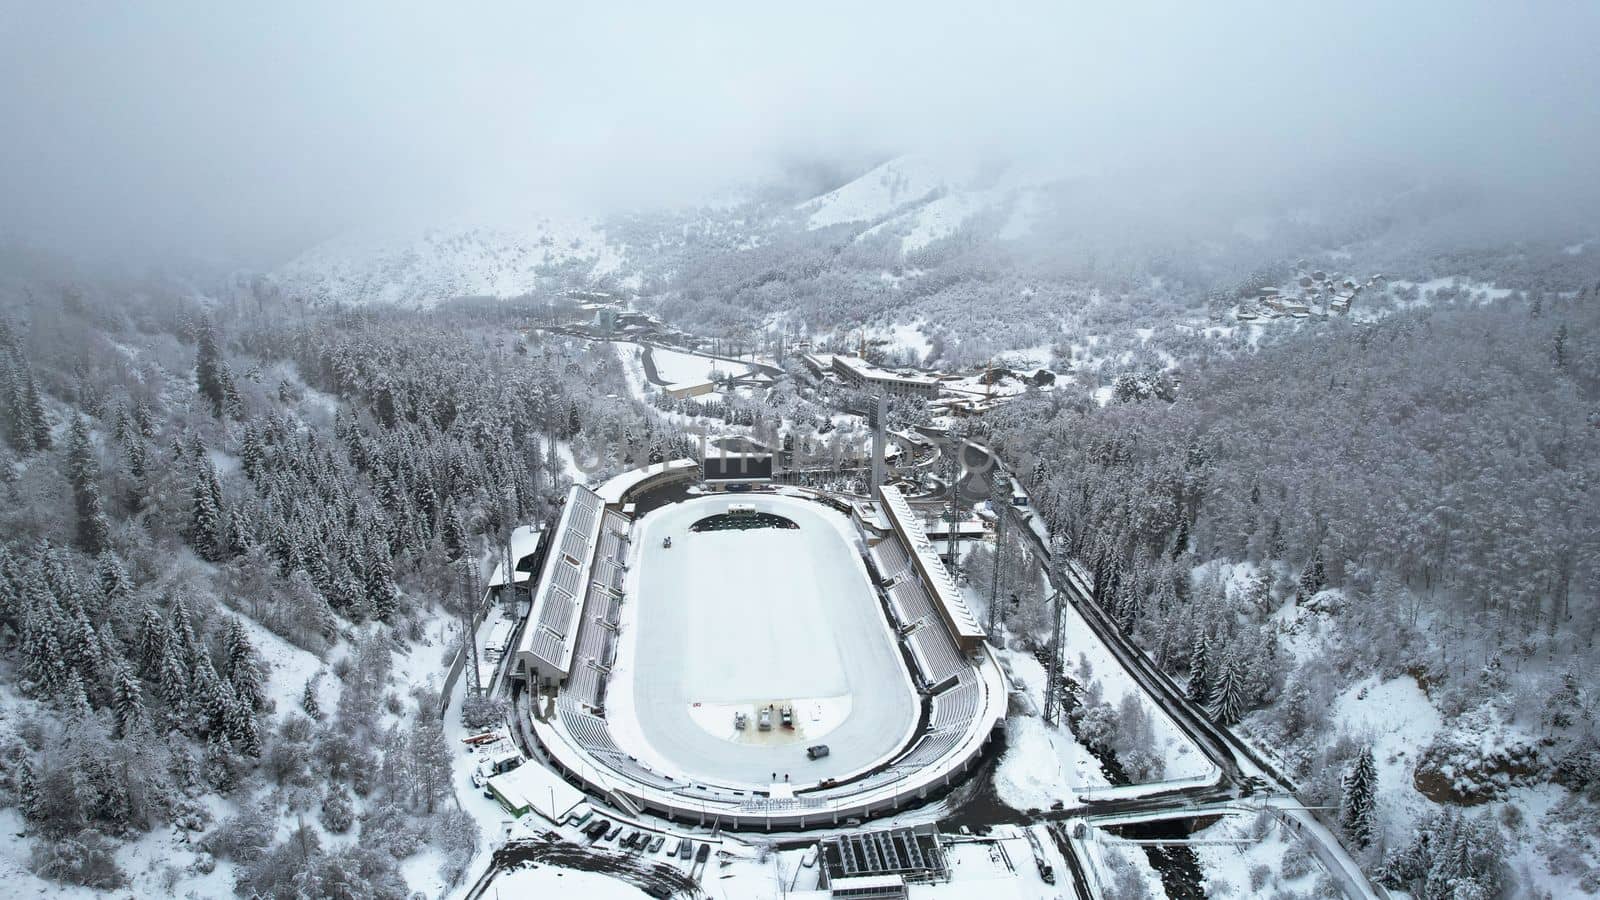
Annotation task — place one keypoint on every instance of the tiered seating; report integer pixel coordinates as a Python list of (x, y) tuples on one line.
[(938, 659), (956, 707), (909, 601), (891, 558), (593, 734), (544, 641), (595, 649), (928, 750)]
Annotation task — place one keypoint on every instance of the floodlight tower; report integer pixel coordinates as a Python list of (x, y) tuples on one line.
[(877, 418), (999, 496), (952, 469), (1052, 686)]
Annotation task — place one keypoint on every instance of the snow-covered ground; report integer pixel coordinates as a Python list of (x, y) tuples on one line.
[(1395, 718), (681, 369), (1268, 859)]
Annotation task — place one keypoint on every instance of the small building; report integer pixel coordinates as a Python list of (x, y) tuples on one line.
[(681, 391), (531, 787)]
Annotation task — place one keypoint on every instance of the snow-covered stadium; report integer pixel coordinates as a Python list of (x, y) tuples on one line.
[(688, 659)]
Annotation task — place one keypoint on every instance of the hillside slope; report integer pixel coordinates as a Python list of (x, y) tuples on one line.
[(421, 268)]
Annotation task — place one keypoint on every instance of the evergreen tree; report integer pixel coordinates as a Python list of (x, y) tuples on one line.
[(455, 533), (1200, 671), (243, 671), (208, 370), (213, 698), (380, 589), (114, 583), (1313, 577), (150, 644), (1276, 546), (1357, 813), (308, 700), (1227, 694), (206, 529), (128, 702), (174, 681), (36, 419), (83, 470), (243, 730), (27, 788), (252, 456)]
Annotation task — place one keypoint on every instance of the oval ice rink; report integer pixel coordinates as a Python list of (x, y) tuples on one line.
[(736, 619)]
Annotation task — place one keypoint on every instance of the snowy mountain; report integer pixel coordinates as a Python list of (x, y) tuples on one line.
[(423, 267), (924, 199)]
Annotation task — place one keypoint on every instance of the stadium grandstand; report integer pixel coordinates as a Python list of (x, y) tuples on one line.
[(576, 628)]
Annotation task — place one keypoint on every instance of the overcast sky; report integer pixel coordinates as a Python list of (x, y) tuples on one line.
[(171, 128)]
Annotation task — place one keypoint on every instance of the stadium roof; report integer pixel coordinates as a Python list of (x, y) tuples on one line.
[(938, 577), (552, 623), (613, 491)]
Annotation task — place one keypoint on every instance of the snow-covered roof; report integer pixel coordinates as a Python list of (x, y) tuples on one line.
[(613, 491), (552, 623), (871, 372), (539, 789), (937, 576), (524, 543)]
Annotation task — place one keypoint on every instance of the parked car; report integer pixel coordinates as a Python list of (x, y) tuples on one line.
[(787, 717), (817, 751), (612, 834), (764, 721), (655, 845), (685, 848), (631, 840), (597, 830), (740, 720)]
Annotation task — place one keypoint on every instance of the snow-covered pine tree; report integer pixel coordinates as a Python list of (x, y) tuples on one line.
[(206, 532), (1199, 690), (455, 532), (1357, 809), (252, 456), (380, 589), (308, 700), (243, 730), (128, 703), (208, 369), (150, 643), (173, 682), (243, 671), (1227, 692), (1313, 577), (114, 582), (213, 697), (93, 533)]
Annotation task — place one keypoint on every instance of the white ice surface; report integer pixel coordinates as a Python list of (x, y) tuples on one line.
[(748, 618)]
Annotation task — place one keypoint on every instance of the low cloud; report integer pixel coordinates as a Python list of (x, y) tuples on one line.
[(187, 130)]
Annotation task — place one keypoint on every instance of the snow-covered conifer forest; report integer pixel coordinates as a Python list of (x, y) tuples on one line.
[(1276, 354)]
